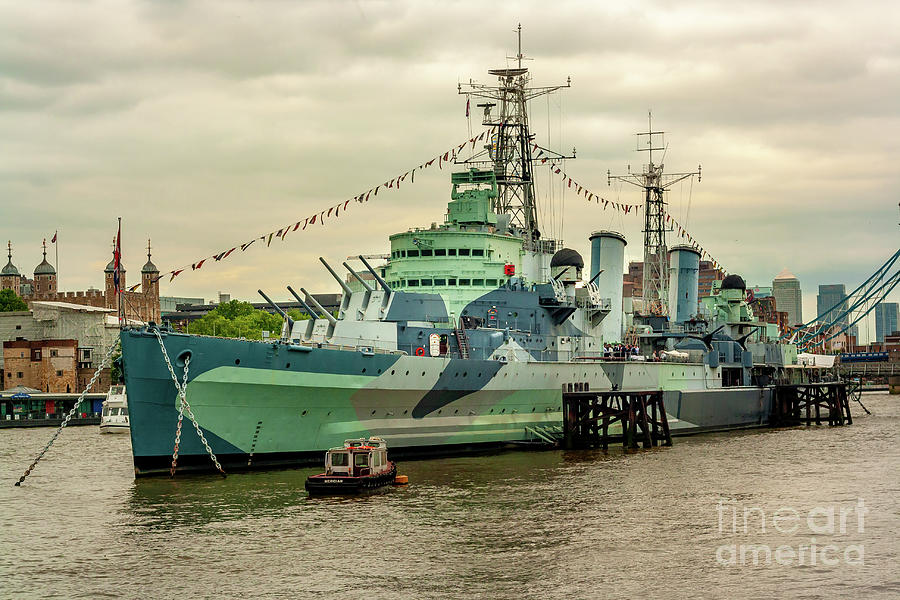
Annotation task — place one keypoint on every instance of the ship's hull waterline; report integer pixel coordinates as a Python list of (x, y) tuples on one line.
[(264, 405)]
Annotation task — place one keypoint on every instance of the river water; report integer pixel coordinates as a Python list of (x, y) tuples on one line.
[(661, 523)]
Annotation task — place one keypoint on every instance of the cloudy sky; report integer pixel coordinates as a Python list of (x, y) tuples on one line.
[(204, 124)]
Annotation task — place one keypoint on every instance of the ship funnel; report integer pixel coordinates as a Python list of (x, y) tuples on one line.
[(607, 267), (684, 273)]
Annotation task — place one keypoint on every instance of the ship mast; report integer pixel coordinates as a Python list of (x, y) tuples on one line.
[(655, 183), (509, 151)]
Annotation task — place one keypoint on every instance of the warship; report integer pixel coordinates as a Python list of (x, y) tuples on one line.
[(467, 335)]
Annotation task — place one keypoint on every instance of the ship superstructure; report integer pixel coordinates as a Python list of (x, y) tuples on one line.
[(465, 338)]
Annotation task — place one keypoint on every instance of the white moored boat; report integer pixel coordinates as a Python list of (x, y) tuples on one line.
[(115, 411)]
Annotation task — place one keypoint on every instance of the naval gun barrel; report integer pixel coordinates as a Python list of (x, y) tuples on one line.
[(305, 306), (326, 314), (378, 278), (283, 314), (358, 278), (343, 285)]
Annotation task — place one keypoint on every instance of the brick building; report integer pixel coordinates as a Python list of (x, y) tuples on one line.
[(140, 305), (633, 280), (93, 329), (46, 365), (766, 311), (708, 273)]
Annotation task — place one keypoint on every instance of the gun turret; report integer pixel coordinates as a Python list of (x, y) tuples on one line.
[(343, 285), (318, 306), (358, 278), (283, 314), (305, 306), (378, 278)]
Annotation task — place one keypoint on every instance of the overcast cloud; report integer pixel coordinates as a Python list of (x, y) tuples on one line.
[(205, 123)]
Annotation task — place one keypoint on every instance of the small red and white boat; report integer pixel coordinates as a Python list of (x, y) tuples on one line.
[(361, 465)]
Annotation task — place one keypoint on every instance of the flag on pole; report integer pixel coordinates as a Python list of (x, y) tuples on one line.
[(117, 259), (55, 233)]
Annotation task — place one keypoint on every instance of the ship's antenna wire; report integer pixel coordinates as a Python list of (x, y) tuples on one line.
[(687, 217)]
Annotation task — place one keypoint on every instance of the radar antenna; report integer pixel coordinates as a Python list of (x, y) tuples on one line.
[(509, 150), (655, 183)]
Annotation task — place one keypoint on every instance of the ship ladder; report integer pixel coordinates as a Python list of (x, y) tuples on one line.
[(550, 434), (462, 340)]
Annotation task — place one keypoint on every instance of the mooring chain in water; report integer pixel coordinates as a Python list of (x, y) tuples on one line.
[(181, 389), (72, 412)]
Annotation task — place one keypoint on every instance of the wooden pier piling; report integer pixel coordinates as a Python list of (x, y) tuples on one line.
[(588, 416), (806, 403)]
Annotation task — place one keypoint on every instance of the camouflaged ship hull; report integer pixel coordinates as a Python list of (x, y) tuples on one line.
[(264, 405)]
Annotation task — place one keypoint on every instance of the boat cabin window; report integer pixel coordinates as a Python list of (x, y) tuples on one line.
[(440, 252), (463, 251), (361, 460), (105, 411), (478, 252), (426, 252), (451, 281), (124, 411), (426, 282), (339, 459), (451, 252), (478, 282), (492, 283), (376, 459), (412, 253), (464, 282), (440, 282), (413, 283)]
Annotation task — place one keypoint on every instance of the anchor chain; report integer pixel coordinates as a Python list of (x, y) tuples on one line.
[(72, 412), (184, 406)]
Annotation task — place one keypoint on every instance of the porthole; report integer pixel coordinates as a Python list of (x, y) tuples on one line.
[(379, 371), (373, 412), (533, 408), (405, 411), (479, 374), (237, 361), (465, 374), (303, 414), (439, 412), (502, 410), (392, 371), (423, 373), (456, 412), (287, 366), (364, 370), (492, 410), (407, 373)]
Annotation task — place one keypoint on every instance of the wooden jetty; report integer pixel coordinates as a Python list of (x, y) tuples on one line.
[(808, 403), (588, 416)]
